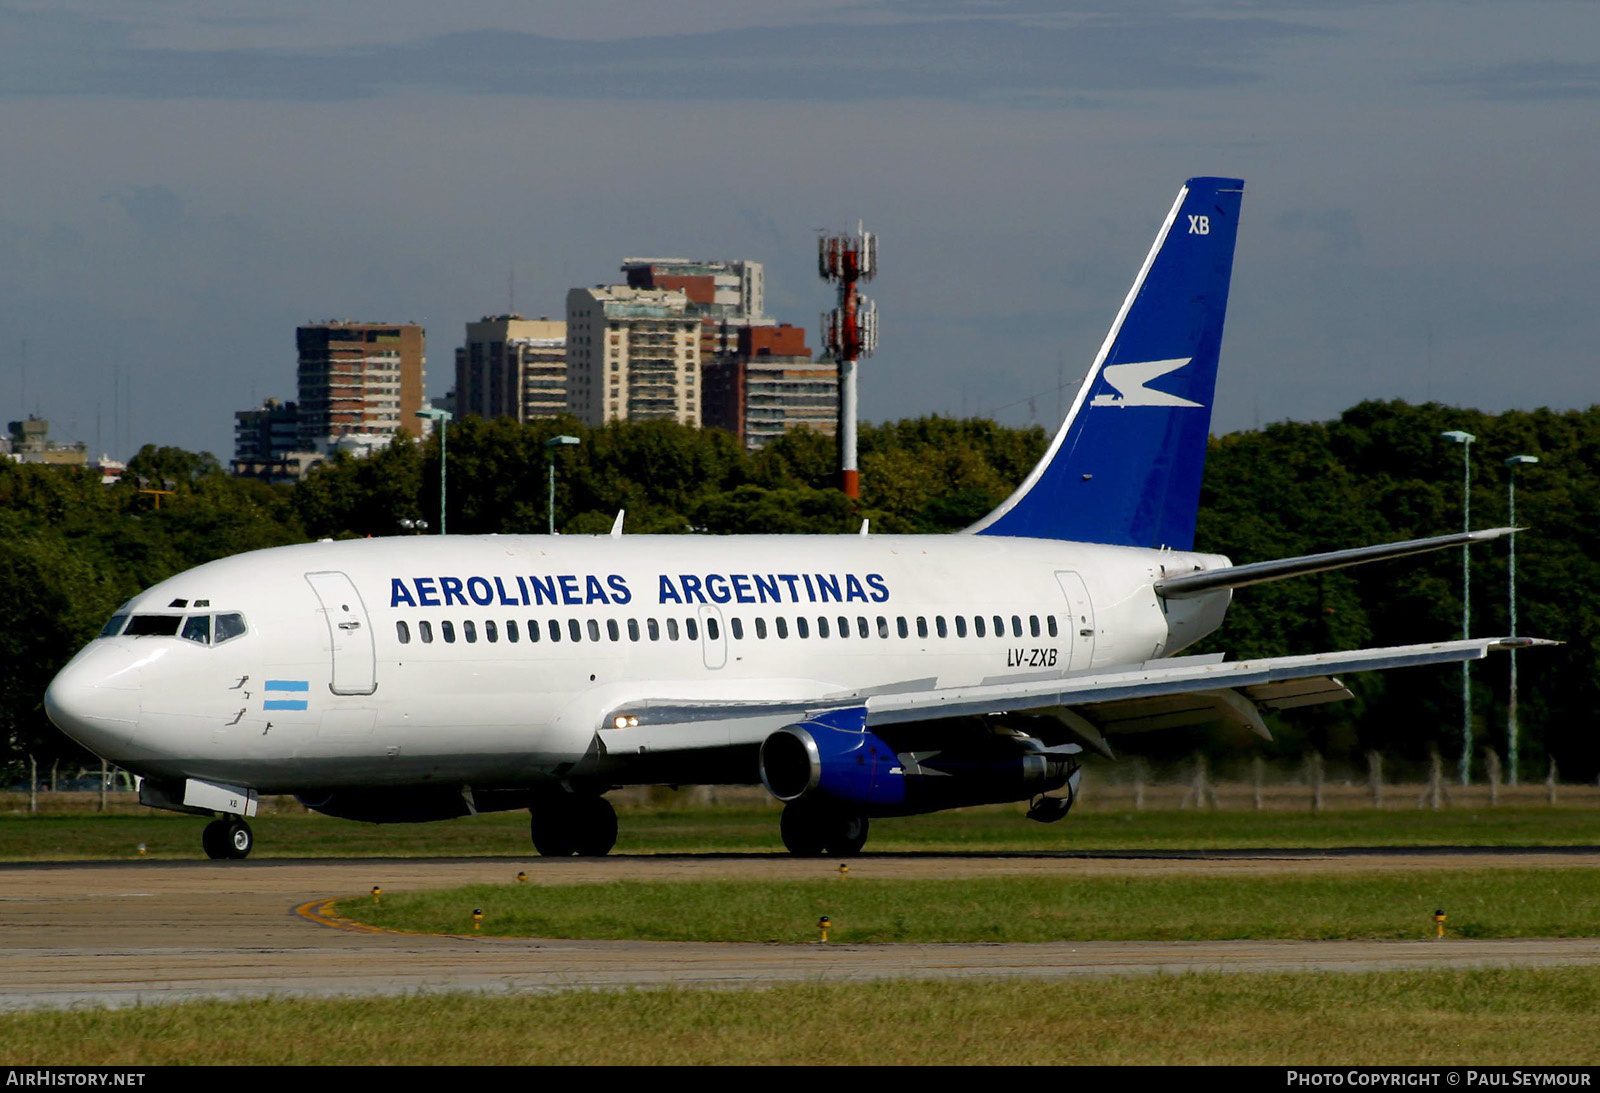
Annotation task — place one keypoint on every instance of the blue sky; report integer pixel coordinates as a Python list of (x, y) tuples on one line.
[(182, 187)]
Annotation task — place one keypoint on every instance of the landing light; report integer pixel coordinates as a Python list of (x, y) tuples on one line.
[(622, 721)]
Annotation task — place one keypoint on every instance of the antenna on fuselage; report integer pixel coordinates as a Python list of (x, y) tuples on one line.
[(616, 525)]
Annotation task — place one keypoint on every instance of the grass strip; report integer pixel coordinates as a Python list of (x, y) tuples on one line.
[(1483, 1017), (56, 837), (1556, 902)]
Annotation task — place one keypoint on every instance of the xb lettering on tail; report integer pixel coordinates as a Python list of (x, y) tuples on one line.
[(856, 676)]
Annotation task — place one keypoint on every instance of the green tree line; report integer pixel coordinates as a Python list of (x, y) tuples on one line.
[(72, 549)]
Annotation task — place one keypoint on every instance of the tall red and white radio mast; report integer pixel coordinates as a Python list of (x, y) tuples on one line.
[(850, 331)]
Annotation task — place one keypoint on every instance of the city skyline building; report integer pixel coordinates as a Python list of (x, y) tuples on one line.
[(512, 367), (769, 383), (359, 383), (29, 442), (266, 443), (632, 354)]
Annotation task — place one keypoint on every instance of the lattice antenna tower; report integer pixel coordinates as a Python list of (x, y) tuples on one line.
[(850, 331)]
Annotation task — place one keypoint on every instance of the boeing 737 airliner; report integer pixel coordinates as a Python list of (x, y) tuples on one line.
[(854, 676)]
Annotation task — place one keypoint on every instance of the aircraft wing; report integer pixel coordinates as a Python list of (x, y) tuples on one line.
[(1155, 694)]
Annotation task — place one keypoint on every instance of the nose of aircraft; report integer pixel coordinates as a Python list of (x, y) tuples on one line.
[(95, 699)]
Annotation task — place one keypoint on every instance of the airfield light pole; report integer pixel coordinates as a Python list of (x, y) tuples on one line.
[(441, 418), (1511, 709), (1465, 440), (850, 331), (550, 447)]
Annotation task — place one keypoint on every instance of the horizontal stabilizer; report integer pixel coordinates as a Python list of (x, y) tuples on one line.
[(1180, 586)]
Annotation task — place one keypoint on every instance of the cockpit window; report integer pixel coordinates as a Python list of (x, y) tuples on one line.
[(228, 626), (201, 629), (153, 626)]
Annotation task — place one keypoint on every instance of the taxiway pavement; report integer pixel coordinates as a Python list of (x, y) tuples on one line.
[(149, 932)]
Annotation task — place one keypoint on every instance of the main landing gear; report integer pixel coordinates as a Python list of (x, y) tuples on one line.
[(568, 823), (811, 829), (229, 838)]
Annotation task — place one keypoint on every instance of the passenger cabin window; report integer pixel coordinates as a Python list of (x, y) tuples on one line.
[(403, 632), (844, 626), (902, 629), (633, 629), (692, 629), (883, 627), (1050, 620), (594, 630), (999, 627), (861, 625), (448, 629), (737, 626), (470, 630), (822, 626), (574, 631), (653, 628), (672, 629), (491, 632), (511, 631), (922, 626), (977, 626), (114, 627), (961, 626), (425, 631), (711, 629), (197, 628), (555, 630), (1016, 626), (1033, 625), (761, 628), (782, 625)]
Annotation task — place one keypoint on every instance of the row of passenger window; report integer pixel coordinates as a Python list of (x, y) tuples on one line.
[(781, 627)]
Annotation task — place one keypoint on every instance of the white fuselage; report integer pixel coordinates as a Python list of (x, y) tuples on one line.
[(410, 660)]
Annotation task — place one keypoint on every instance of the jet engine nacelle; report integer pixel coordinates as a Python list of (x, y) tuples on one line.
[(833, 756)]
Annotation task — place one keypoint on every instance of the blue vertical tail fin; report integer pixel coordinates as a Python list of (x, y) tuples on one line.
[(1125, 467)]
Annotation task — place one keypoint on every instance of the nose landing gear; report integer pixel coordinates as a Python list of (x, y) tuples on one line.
[(229, 838)]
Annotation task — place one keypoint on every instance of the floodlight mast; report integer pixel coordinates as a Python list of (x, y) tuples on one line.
[(1511, 708), (1465, 439)]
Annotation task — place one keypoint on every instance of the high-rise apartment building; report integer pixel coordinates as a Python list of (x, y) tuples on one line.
[(266, 434), (512, 367), (768, 383), (632, 354), (717, 289), (726, 295), (359, 380)]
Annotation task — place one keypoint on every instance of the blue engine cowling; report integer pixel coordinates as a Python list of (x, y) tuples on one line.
[(833, 755)]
